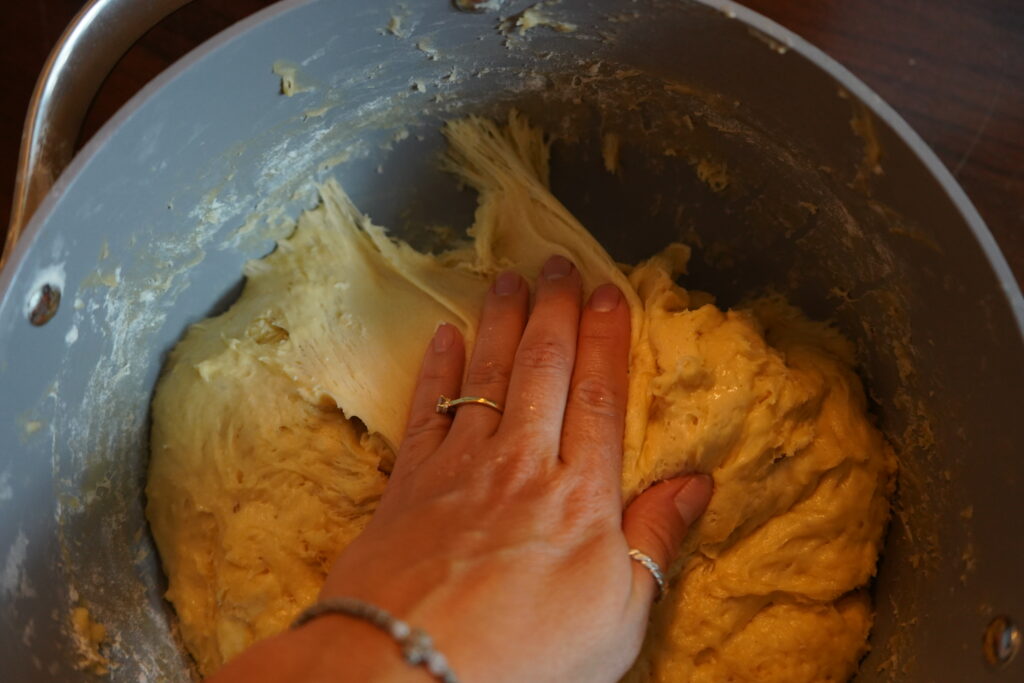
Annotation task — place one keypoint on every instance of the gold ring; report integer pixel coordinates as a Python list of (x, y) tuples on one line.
[(444, 404)]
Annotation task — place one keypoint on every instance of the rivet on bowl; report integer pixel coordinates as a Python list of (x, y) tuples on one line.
[(45, 302), (1001, 642)]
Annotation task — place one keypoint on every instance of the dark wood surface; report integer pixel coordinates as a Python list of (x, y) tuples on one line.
[(953, 68)]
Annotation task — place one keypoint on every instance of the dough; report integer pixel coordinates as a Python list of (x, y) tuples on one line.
[(274, 425)]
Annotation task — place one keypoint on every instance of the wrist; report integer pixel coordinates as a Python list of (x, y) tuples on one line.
[(343, 648)]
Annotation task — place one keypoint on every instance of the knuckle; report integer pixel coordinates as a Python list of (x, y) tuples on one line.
[(434, 373), (601, 337), (546, 356), (519, 479), (586, 506), (659, 541), (427, 424), (596, 394), (488, 374)]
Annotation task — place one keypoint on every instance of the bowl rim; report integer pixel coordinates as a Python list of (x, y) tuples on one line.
[(843, 76)]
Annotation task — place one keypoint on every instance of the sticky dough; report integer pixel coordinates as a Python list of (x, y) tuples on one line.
[(258, 480)]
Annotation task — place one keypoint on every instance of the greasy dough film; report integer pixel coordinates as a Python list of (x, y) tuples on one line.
[(275, 423)]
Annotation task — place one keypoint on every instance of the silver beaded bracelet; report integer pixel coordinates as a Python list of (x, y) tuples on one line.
[(416, 645)]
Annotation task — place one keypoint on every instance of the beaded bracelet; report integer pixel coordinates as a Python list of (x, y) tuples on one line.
[(416, 645)]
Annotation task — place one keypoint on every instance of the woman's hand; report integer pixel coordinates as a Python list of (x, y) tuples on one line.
[(502, 535)]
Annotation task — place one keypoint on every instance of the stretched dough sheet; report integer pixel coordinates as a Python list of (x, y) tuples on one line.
[(274, 425)]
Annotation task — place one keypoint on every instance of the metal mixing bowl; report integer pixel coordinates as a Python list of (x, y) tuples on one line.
[(780, 167)]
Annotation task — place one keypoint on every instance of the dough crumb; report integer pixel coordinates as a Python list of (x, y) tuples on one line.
[(426, 46), (30, 427), (610, 147), (289, 74), (89, 636), (396, 23), (713, 173), (531, 17), (478, 5)]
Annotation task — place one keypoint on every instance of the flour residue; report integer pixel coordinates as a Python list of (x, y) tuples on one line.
[(862, 123), (14, 582), (774, 45)]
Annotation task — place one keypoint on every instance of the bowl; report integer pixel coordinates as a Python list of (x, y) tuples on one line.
[(695, 121)]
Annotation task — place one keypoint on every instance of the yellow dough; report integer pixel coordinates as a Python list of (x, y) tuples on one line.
[(258, 479)]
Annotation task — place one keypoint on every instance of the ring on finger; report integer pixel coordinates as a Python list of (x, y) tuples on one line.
[(445, 404), (653, 567)]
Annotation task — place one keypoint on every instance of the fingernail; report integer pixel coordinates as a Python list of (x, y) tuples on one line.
[(692, 499), (605, 298), (444, 337), (556, 267), (507, 283)]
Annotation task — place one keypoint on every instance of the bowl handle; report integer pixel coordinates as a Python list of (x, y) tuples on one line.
[(90, 46)]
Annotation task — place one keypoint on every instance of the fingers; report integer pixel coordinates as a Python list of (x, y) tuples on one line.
[(544, 361), (596, 411), (501, 326), (440, 373), (656, 524)]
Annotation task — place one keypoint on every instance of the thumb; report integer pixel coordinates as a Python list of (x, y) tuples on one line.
[(657, 522)]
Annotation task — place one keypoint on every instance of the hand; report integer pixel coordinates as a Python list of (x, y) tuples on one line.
[(502, 535)]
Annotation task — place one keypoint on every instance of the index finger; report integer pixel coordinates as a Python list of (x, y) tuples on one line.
[(595, 415)]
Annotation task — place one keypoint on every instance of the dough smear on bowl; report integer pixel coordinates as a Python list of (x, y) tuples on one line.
[(274, 425)]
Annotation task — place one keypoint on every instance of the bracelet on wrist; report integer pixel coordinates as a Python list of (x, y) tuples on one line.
[(416, 645)]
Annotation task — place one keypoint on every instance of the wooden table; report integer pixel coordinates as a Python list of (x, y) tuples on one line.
[(953, 68)]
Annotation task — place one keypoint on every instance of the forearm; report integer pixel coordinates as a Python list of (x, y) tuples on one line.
[(331, 648)]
